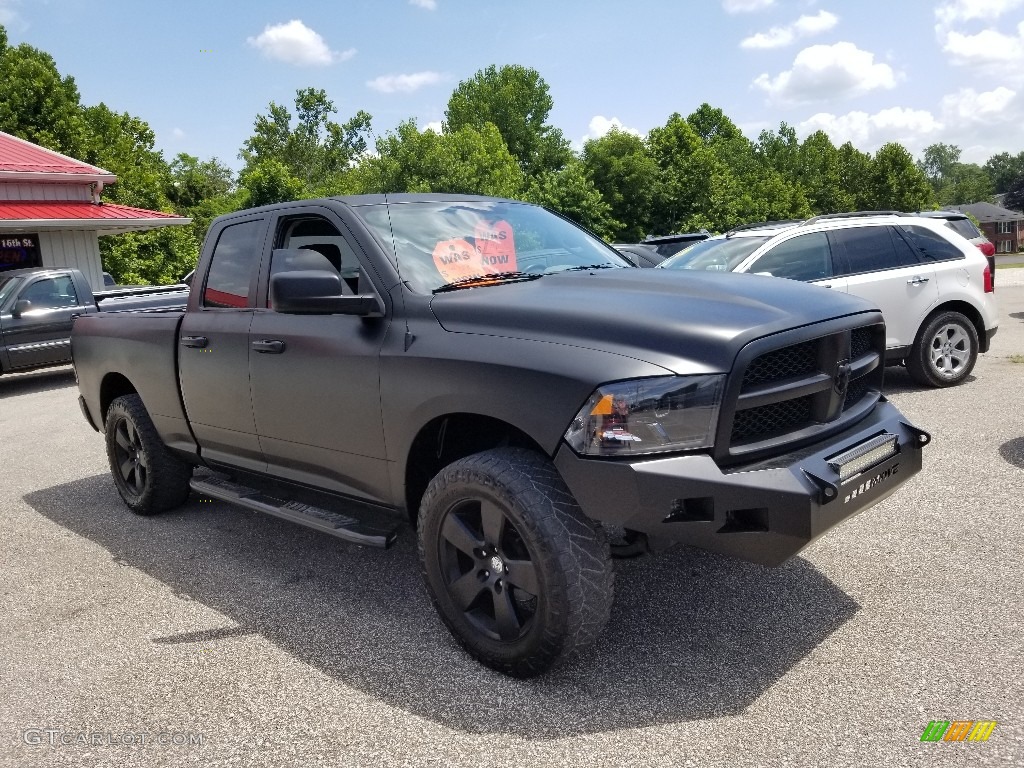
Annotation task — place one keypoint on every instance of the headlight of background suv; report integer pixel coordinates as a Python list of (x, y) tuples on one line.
[(668, 413)]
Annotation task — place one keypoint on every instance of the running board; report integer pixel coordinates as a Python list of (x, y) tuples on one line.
[(343, 526)]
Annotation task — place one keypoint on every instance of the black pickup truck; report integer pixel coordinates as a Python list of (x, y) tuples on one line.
[(39, 306), (503, 380)]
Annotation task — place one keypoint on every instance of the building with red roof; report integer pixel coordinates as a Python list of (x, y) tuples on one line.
[(52, 213)]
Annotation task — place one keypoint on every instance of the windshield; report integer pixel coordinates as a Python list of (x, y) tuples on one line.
[(718, 254), (438, 244), (7, 285)]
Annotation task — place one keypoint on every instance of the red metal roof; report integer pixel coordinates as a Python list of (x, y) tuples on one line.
[(58, 210), (20, 156)]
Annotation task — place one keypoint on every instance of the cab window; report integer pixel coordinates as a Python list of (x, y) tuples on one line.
[(313, 242), (229, 281), (52, 293)]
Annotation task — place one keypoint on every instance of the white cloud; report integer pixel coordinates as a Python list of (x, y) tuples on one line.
[(805, 26), (986, 47), (295, 43), (967, 105), (178, 133), (601, 125), (403, 83), (746, 6), (980, 123), (950, 13), (910, 127), (434, 125), (429, 5), (824, 72)]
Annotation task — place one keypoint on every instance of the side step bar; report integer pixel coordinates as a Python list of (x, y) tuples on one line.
[(347, 527)]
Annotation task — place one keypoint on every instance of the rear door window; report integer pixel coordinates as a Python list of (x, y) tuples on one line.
[(230, 279), (871, 249)]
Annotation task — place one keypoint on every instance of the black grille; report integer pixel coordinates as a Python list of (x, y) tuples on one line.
[(770, 420), (855, 392), (860, 342), (806, 396), (798, 360)]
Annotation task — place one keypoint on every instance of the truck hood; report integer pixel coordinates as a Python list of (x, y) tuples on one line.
[(687, 322)]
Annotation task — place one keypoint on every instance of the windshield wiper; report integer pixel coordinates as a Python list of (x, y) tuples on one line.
[(592, 266), (491, 278)]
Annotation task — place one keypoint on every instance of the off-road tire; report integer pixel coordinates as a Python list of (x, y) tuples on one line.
[(544, 543), (932, 366), (149, 477)]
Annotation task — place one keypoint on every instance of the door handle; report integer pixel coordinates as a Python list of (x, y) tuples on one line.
[(269, 346), (917, 280), (197, 342), (824, 285)]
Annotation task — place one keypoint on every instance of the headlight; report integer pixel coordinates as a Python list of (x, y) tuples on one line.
[(668, 413)]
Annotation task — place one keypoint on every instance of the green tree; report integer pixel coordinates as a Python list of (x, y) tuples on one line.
[(313, 149), (126, 146), (625, 174), (1014, 199), (780, 151), (896, 183), (1004, 169), (469, 160), (570, 192), (953, 182), (695, 189), (193, 181), (516, 100), (854, 176), (36, 103), (820, 175)]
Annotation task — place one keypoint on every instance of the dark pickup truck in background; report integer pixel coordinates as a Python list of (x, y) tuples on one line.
[(503, 380), (39, 306)]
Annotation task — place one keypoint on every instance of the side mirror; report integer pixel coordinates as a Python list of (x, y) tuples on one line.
[(21, 307), (318, 292)]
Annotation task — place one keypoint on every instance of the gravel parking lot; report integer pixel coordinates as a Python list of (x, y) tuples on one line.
[(127, 640)]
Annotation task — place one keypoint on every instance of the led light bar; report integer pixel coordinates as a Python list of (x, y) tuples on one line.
[(864, 456)]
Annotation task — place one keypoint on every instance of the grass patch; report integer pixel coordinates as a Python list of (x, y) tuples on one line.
[(1016, 359), (1016, 265)]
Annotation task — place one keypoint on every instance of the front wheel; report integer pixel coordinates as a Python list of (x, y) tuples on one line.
[(519, 575), (149, 478), (945, 351)]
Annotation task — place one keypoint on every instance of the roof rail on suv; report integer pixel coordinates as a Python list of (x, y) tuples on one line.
[(853, 215), (760, 224)]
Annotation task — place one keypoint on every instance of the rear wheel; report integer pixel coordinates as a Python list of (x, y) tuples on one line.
[(520, 576), (945, 351), (149, 478)]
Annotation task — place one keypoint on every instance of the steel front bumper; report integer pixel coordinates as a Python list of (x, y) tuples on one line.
[(764, 512)]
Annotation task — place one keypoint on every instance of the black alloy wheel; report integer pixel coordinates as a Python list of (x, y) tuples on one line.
[(518, 574), (147, 475)]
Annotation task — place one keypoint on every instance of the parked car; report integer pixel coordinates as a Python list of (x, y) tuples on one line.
[(669, 245), (639, 255), (501, 379), (38, 307), (935, 289), (108, 280)]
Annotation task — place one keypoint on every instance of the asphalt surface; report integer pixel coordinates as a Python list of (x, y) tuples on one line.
[(275, 645)]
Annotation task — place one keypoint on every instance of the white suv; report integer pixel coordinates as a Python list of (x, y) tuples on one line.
[(935, 289)]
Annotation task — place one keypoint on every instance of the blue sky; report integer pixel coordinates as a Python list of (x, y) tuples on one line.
[(868, 71)]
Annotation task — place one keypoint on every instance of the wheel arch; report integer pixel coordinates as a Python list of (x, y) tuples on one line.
[(450, 437), (113, 386), (966, 309)]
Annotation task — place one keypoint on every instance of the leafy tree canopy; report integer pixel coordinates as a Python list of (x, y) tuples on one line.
[(516, 100)]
